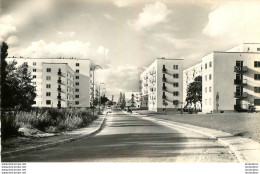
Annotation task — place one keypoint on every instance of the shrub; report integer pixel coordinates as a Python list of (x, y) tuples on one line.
[(9, 128), (55, 120)]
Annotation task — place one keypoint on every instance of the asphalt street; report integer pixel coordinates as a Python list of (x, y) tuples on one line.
[(129, 138)]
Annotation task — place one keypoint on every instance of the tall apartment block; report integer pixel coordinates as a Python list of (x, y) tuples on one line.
[(230, 79), (135, 95), (162, 83), (60, 82)]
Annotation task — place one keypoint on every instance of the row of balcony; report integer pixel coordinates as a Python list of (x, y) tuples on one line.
[(240, 69)]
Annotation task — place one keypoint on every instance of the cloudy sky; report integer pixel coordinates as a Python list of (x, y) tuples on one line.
[(124, 36)]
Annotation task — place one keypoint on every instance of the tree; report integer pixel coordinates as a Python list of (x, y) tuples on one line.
[(27, 90), (103, 99), (4, 54), (123, 102), (194, 92), (17, 90), (132, 100)]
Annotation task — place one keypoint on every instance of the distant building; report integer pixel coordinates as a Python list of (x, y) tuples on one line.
[(132, 99), (60, 82), (230, 80), (161, 83)]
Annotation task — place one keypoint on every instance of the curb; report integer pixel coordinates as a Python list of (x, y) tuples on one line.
[(44, 146), (245, 150)]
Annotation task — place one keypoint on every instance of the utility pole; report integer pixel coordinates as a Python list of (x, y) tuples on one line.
[(94, 87)]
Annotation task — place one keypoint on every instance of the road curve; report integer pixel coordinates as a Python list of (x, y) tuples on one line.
[(129, 138)]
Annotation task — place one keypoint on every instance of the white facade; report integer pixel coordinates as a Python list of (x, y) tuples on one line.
[(135, 95), (59, 81), (162, 83), (234, 76)]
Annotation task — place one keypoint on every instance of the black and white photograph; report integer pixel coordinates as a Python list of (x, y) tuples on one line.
[(146, 83)]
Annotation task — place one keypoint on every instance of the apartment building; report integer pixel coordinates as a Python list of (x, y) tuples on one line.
[(132, 98), (60, 82), (161, 85), (231, 79)]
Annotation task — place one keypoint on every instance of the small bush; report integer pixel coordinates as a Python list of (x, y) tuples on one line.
[(55, 120), (9, 128)]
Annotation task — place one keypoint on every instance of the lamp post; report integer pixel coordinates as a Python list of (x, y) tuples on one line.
[(93, 86), (99, 97)]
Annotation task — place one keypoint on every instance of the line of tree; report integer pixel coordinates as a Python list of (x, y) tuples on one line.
[(194, 92), (17, 90), (121, 101)]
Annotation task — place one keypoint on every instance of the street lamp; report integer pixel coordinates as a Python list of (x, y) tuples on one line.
[(93, 86), (99, 97)]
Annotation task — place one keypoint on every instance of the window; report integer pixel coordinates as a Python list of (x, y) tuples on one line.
[(48, 77), (34, 76), (205, 77), (257, 77), (206, 90), (256, 64), (257, 89), (48, 69), (176, 93), (34, 63), (77, 90), (175, 76), (205, 66), (210, 77), (258, 49), (209, 89), (77, 77), (257, 102), (48, 94), (210, 64), (77, 83), (25, 63), (48, 85), (76, 96), (77, 102), (34, 70), (48, 102), (77, 70), (34, 102), (77, 64), (175, 84), (175, 66)]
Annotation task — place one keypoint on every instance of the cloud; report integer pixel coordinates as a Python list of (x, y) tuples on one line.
[(236, 20), (119, 79), (6, 26), (12, 41), (76, 49), (66, 34), (122, 3), (151, 15), (107, 16)]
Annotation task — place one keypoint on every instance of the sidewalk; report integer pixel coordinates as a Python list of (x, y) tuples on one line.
[(245, 125), (23, 144), (245, 150)]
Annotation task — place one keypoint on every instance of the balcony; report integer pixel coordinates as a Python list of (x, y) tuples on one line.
[(240, 95), (60, 82), (60, 74), (60, 90), (164, 88), (164, 70), (164, 79), (164, 97), (175, 102), (59, 97), (240, 69), (240, 82)]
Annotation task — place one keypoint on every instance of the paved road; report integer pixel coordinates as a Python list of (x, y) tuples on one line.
[(128, 138)]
